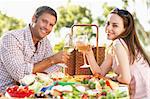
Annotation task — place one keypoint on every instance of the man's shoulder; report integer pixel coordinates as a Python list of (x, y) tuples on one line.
[(18, 34)]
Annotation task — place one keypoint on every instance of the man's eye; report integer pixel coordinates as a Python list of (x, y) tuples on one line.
[(44, 21), (51, 25)]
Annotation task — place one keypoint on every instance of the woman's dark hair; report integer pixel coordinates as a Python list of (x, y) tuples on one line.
[(45, 9), (130, 36)]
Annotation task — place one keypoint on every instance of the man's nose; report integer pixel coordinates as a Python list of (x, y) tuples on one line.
[(48, 27)]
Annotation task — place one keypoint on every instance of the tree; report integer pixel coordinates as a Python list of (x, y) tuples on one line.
[(9, 23), (71, 14)]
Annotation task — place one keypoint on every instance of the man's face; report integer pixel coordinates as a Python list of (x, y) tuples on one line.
[(42, 26)]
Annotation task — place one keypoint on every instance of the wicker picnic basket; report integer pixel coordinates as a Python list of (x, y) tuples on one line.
[(76, 58), (71, 64)]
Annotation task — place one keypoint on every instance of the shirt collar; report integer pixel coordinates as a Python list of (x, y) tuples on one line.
[(28, 36)]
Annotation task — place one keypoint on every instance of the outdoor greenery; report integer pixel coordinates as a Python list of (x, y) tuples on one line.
[(73, 14), (9, 23)]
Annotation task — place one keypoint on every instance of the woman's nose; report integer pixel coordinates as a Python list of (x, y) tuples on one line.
[(109, 28)]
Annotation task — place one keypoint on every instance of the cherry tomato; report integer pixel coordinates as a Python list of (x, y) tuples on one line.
[(15, 87), (9, 90), (108, 84), (19, 92), (26, 87)]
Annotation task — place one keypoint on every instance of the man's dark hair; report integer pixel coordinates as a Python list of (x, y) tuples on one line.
[(45, 9)]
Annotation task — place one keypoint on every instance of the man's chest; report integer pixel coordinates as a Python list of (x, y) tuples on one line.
[(32, 54)]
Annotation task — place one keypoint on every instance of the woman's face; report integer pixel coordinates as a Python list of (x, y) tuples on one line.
[(114, 26)]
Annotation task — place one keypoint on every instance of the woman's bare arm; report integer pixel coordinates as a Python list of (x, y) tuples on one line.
[(123, 60), (95, 68)]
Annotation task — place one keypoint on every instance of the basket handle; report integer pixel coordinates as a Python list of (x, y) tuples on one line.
[(97, 29)]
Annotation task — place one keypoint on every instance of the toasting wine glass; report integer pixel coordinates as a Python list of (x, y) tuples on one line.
[(68, 44), (68, 47), (82, 45)]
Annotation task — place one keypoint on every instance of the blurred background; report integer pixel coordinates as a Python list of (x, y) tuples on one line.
[(16, 14)]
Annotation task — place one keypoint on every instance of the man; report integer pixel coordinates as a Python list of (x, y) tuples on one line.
[(28, 51)]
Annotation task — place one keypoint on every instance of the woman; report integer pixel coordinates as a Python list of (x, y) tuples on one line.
[(125, 56)]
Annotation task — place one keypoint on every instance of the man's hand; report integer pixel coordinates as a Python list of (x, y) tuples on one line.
[(61, 57)]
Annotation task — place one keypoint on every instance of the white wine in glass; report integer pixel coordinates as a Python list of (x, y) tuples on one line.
[(69, 49)]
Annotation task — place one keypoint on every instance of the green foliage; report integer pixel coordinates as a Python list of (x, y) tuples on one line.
[(125, 3), (73, 14), (107, 9), (58, 46), (9, 23)]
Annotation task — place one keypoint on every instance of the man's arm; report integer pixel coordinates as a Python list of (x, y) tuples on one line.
[(60, 57), (13, 58)]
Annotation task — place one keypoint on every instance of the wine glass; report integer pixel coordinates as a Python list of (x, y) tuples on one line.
[(82, 45), (68, 47), (68, 44)]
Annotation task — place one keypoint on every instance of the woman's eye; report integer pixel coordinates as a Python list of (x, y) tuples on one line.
[(115, 25), (107, 23)]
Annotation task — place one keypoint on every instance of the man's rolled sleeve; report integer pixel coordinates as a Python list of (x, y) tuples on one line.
[(49, 52)]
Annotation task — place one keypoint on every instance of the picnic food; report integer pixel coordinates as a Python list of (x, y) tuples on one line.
[(19, 91), (75, 87)]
